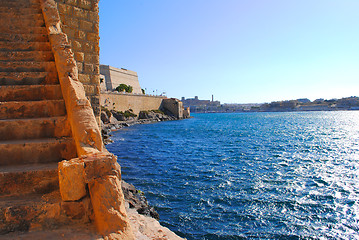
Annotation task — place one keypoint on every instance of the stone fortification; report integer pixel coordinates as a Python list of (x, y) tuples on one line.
[(174, 106), (123, 102), (113, 77), (137, 103)]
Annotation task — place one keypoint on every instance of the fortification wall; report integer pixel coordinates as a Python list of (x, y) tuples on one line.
[(173, 105), (123, 102), (80, 22), (115, 76)]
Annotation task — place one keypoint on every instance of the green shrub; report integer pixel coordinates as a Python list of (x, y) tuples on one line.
[(123, 87)]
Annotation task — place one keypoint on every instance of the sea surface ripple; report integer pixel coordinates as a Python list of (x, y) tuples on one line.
[(249, 175)]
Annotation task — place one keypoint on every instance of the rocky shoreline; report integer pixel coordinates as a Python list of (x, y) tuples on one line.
[(112, 120)]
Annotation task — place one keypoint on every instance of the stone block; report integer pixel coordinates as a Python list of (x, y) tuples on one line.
[(72, 2), (87, 47), (79, 56), (71, 180), (80, 35), (90, 90), (80, 13), (96, 69), (74, 210), (84, 78), (109, 207), (101, 164), (92, 37), (76, 46), (88, 68), (85, 4), (80, 66), (86, 25), (93, 16), (70, 22), (65, 9), (92, 58), (95, 79), (70, 32)]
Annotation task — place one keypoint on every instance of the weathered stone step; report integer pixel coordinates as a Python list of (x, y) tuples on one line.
[(86, 231), (25, 46), (15, 29), (30, 93), (23, 37), (34, 128), (13, 18), (22, 66), (41, 56), (20, 3), (27, 179), (19, 213), (28, 78), (32, 109), (21, 10), (36, 151)]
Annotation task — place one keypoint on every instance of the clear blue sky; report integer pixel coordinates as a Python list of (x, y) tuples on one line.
[(241, 51)]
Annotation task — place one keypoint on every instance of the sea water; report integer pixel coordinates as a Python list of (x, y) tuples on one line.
[(249, 175)]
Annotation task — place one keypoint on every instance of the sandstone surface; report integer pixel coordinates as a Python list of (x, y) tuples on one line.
[(109, 208)]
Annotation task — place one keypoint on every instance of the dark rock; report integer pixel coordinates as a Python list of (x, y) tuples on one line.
[(104, 118), (138, 201)]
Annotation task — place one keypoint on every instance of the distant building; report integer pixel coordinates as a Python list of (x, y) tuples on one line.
[(303, 100), (197, 105), (196, 102), (112, 77)]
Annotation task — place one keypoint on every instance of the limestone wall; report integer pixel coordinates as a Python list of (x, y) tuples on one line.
[(80, 21), (123, 102), (173, 105), (113, 77)]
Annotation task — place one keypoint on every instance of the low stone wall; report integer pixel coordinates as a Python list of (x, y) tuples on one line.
[(123, 102)]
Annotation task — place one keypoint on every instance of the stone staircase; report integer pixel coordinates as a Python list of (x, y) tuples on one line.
[(34, 131)]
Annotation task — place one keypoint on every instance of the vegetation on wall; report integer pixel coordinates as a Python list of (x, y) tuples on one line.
[(123, 87)]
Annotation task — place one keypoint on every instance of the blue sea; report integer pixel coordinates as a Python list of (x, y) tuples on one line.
[(248, 175)]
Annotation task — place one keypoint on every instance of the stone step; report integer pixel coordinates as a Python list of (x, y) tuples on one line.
[(20, 3), (30, 93), (40, 56), (28, 78), (27, 179), (20, 213), (32, 109), (17, 129), (22, 66), (24, 37), (36, 151), (18, 19), (86, 231), (14, 29), (38, 216), (22, 10), (25, 46)]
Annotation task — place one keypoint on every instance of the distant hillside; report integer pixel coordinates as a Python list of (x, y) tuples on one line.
[(349, 103)]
